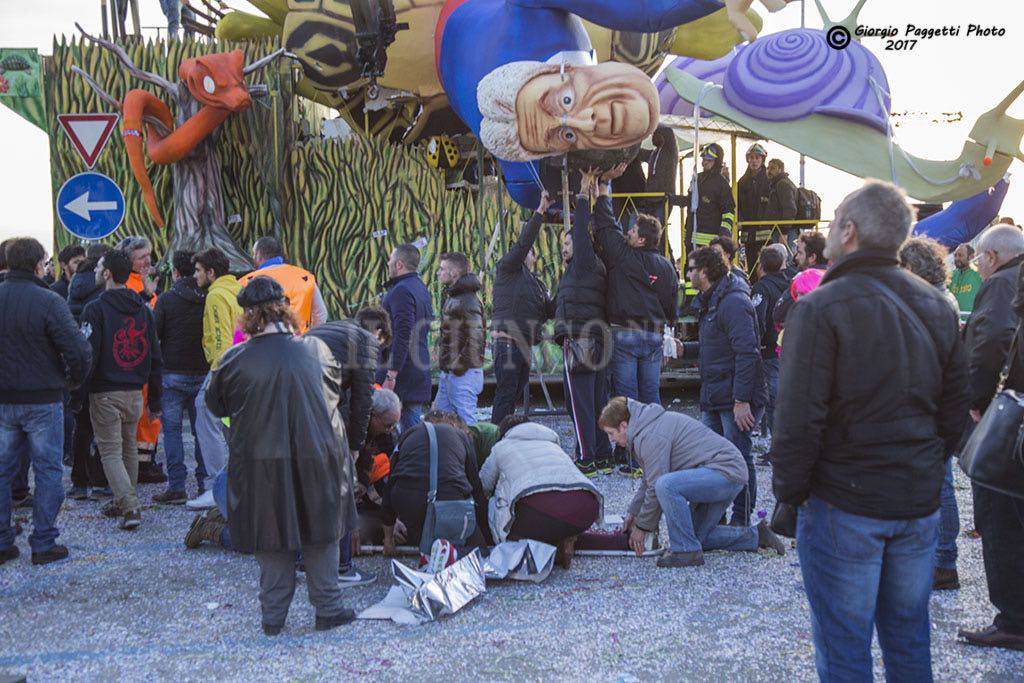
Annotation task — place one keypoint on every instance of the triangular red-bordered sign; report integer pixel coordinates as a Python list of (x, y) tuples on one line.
[(89, 133)]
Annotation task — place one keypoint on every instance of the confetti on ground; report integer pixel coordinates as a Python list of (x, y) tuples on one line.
[(136, 606)]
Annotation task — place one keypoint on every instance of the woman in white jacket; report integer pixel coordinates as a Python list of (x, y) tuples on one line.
[(536, 491)]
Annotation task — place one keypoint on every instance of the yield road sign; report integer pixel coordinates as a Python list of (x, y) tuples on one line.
[(90, 205), (89, 133)]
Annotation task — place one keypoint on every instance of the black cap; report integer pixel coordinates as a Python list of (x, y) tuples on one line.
[(260, 290)]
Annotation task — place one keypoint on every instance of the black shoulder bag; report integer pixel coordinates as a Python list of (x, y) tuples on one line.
[(992, 456), (453, 520)]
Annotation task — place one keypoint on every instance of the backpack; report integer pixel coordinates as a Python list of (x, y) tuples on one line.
[(808, 204)]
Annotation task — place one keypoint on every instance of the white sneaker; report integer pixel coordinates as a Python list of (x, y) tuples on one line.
[(203, 502)]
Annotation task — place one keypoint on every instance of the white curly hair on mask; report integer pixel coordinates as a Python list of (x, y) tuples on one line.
[(496, 97)]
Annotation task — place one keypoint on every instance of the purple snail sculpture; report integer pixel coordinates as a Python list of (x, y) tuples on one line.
[(833, 105)]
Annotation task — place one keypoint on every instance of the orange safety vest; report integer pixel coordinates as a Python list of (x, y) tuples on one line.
[(299, 286), (148, 432)]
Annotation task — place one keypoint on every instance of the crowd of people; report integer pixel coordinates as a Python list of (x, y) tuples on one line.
[(314, 437)]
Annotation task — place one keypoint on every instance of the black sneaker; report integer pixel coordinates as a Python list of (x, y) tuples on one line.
[(111, 509), (587, 468), (766, 538), (671, 560), (171, 498), (352, 578), (78, 493), (131, 521), (151, 473), (11, 553), (23, 502), (340, 619), (272, 629), (54, 554), (605, 466), (101, 493)]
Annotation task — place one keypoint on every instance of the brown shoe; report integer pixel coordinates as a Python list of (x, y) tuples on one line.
[(205, 527), (945, 580), (993, 636), (565, 552)]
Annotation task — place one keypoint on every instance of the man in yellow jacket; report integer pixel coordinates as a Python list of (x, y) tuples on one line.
[(220, 319), (299, 285)]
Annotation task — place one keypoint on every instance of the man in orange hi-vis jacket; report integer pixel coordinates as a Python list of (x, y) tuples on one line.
[(140, 253), (299, 285)]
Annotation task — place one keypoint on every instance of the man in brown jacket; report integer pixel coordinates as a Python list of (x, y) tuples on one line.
[(461, 340)]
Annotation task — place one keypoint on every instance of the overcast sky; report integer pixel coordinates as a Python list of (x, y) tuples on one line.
[(964, 74)]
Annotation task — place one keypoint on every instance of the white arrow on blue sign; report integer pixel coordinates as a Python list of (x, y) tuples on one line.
[(90, 205)]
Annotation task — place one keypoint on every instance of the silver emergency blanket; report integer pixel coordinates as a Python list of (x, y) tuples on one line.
[(420, 597), (520, 560)]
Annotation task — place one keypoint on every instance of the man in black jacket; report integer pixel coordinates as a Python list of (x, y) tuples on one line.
[(460, 352), (126, 356), (781, 201), (871, 401), (752, 198), (988, 336), (716, 210), (179, 327), (810, 253), (771, 283), (40, 347), (70, 258), (641, 300), (521, 305), (83, 287), (581, 329), (732, 388)]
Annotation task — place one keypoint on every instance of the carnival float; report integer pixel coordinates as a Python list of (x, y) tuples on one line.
[(345, 127)]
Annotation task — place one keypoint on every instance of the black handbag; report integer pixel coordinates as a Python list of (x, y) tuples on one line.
[(784, 520), (992, 456), (452, 520)]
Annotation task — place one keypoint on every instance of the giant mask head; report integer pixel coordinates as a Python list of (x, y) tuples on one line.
[(532, 109)]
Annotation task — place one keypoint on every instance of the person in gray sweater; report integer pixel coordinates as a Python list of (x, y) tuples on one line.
[(689, 472)]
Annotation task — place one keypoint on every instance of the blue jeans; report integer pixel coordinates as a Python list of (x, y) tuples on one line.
[(172, 10), (636, 365), (19, 484), (863, 574), (179, 398), (949, 522), (771, 376), (39, 430), (211, 441), (693, 502), (459, 394), (723, 424), (220, 497)]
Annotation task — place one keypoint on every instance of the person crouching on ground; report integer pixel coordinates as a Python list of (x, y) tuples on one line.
[(286, 487), (691, 473), (536, 490)]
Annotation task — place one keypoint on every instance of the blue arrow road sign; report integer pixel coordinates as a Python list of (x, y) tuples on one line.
[(90, 205)]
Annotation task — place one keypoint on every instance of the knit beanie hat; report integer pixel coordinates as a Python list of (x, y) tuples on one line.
[(496, 97)]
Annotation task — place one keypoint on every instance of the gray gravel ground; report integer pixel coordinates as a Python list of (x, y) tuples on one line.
[(138, 606)]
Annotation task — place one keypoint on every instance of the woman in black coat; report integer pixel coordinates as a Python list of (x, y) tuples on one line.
[(289, 471)]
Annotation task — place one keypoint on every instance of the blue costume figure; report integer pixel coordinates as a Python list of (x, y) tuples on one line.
[(964, 219), (522, 75)]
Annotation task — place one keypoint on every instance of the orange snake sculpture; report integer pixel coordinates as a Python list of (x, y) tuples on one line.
[(217, 82)]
